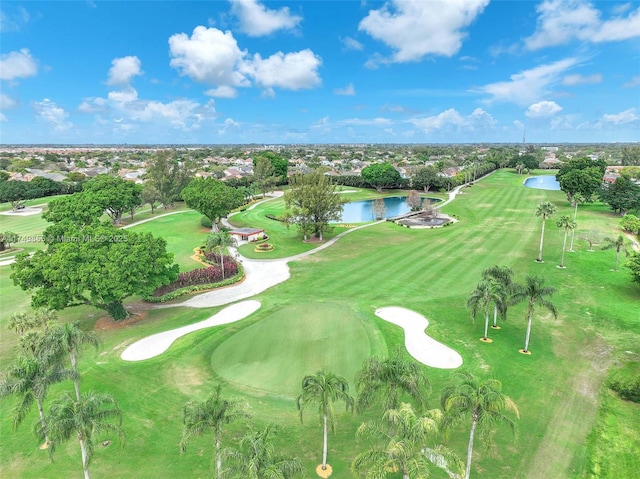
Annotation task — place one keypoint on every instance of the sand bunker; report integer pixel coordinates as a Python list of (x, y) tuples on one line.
[(423, 348), (28, 211), (157, 344)]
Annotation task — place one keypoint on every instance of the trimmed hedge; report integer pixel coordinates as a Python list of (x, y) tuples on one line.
[(194, 289), (206, 222)]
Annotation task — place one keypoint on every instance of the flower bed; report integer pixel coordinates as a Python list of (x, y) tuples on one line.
[(264, 248)]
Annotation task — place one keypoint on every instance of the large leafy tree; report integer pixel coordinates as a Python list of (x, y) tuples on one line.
[(210, 416), (383, 380), (212, 198), (114, 194), (78, 209), (503, 275), (280, 164), (98, 265), (581, 175), (483, 402), (400, 439), (257, 458), (264, 174), (545, 210), (91, 416), (534, 292), (381, 175), (567, 224), (312, 202), (324, 389), (486, 294), (426, 178), (166, 176), (622, 196)]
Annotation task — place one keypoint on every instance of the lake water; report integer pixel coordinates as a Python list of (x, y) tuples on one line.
[(547, 182), (362, 211)]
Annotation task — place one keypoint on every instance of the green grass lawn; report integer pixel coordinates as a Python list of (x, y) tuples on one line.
[(328, 304)]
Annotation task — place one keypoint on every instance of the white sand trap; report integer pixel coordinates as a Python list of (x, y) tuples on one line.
[(27, 211), (156, 344), (419, 345)]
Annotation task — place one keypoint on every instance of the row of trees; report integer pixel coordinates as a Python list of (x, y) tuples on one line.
[(404, 439), (48, 355)]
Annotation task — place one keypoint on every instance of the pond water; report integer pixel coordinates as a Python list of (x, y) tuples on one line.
[(361, 211), (547, 182)]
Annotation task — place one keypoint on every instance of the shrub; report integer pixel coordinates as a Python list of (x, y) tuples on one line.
[(200, 276), (194, 289), (630, 223), (206, 222), (263, 247), (626, 382)]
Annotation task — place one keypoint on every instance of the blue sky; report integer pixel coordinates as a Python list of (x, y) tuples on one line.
[(250, 71)]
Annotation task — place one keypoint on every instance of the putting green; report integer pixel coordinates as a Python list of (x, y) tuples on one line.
[(274, 354)]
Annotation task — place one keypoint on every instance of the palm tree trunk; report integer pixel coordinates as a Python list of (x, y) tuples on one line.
[(222, 262), (74, 368), (564, 245), (42, 420), (617, 253), (324, 442), (573, 231), (486, 323), (541, 241), (495, 315), (85, 458), (218, 458), (467, 472), (526, 340)]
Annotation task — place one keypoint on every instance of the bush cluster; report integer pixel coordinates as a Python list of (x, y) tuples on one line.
[(205, 222), (194, 289), (200, 276), (626, 382)]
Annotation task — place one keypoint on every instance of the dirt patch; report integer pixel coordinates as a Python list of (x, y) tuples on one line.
[(107, 323), (186, 379)]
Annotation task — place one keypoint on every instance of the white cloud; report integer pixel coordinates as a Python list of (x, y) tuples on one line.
[(123, 69), (478, 120), (6, 102), (3, 118), (49, 112), (17, 64), (351, 43), (366, 121), (561, 21), (414, 29), (635, 81), (349, 90), (527, 86), (92, 105), (208, 56), (578, 79), (290, 71), (223, 91), (622, 118), (256, 20), (126, 95), (229, 123), (543, 109)]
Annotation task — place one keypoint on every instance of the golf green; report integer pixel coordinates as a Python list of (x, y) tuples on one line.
[(274, 354)]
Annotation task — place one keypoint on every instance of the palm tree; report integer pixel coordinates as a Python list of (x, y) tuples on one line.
[(384, 379), (21, 323), (211, 415), (68, 337), (545, 209), (258, 460), (220, 241), (618, 244), (487, 293), (568, 225), (30, 377), (93, 414), (503, 275), (534, 292), (483, 402), (577, 199), (324, 388), (401, 438)]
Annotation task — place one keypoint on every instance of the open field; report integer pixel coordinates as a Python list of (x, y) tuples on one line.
[(332, 296)]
